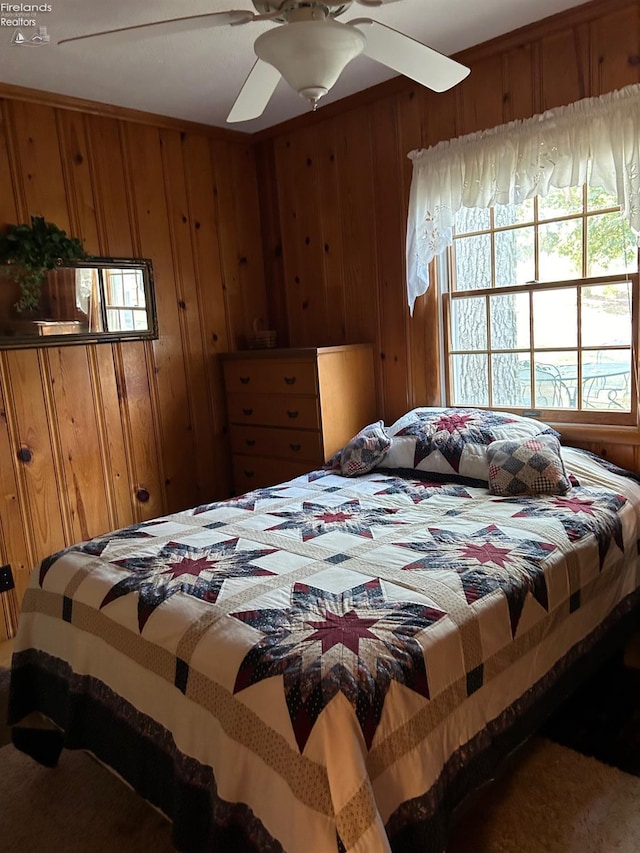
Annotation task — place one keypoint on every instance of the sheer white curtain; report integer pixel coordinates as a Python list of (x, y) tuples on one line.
[(594, 141)]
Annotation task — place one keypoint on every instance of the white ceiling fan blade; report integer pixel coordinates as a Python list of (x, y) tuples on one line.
[(255, 93), (410, 57), (170, 27)]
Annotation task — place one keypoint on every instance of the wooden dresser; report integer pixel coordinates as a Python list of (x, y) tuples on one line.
[(290, 409)]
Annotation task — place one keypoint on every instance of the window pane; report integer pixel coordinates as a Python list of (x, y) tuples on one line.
[(560, 250), (140, 320), (469, 219), (512, 214), (469, 323), (515, 262), (606, 380), (611, 246), (473, 262), (509, 321), (560, 202), (606, 314), (556, 380), (555, 317), (511, 380), (597, 199), (470, 380)]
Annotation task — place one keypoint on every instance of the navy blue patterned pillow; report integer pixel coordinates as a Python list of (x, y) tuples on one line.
[(365, 450), (530, 466)]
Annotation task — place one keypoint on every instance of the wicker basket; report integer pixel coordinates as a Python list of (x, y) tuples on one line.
[(262, 338)]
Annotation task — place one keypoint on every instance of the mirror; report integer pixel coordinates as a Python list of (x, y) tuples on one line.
[(92, 300)]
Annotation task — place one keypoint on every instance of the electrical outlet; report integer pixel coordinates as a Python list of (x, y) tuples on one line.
[(6, 579)]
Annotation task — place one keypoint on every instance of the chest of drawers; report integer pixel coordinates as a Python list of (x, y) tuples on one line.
[(290, 409)]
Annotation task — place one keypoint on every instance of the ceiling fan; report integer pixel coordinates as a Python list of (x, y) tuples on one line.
[(310, 51)]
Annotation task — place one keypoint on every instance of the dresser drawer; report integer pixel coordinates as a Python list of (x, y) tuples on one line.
[(256, 472), (271, 376), (282, 443), (277, 410)]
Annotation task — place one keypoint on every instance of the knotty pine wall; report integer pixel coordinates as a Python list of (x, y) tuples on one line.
[(334, 189), (119, 433)]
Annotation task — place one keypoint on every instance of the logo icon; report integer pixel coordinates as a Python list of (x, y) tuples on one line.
[(41, 37)]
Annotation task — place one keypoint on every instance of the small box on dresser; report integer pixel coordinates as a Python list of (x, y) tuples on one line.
[(290, 409)]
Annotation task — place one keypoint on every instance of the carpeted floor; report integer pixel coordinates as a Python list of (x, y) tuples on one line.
[(553, 799)]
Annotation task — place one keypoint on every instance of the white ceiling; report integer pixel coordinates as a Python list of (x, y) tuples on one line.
[(196, 76)]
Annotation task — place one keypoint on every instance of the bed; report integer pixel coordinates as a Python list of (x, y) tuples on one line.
[(335, 662)]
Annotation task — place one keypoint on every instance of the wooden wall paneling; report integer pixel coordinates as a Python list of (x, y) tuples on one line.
[(131, 438), (77, 174), (309, 286), (190, 315), (439, 109), (331, 233), (164, 356), (521, 96), (39, 163), (615, 50), (236, 309), (359, 232), (115, 216), (248, 249), (102, 419), (17, 544), (390, 235), (480, 97), (11, 197), (135, 371), (47, 511), (273, 256), (421, 329), (76, 417), (564, 67), (291, 249), (114, 454), (45, 192), (210, 299)]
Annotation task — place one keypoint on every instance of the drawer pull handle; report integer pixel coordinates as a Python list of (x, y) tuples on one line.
[(248, 473), (244, 380), (247, 412), (293, 413), (250, 442), (295, 447), (290, 380)]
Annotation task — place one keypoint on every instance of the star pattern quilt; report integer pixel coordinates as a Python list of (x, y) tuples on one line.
[(319, 661)]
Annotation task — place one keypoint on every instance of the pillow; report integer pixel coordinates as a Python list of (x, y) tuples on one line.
[(452, 442), (530, 466), (365, 450)]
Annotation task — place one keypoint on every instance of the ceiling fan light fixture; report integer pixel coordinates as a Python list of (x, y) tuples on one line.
[(310, 55)]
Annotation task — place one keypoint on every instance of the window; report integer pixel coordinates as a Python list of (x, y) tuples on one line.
[(540, 307), (112, 298)]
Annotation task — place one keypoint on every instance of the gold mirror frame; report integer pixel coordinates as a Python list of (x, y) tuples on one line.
[(92, 300)]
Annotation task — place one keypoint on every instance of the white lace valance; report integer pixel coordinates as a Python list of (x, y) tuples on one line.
[(594, 141)]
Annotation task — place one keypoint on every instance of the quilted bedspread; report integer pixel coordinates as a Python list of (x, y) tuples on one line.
[(326, 653)]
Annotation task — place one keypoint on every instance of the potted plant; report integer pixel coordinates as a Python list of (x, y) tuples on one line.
[(28, 252)]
